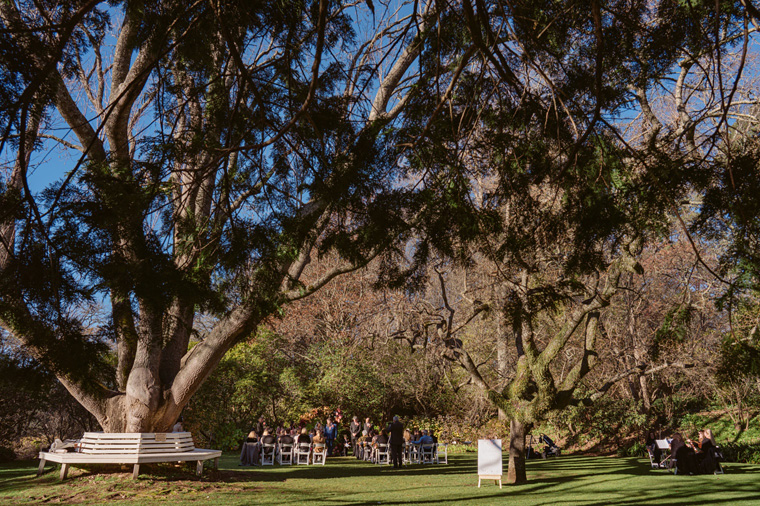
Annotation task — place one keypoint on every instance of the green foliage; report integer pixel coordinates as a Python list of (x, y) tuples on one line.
[(740, 349), (748, 453), (637, 449), (245, 385), (609, 421)]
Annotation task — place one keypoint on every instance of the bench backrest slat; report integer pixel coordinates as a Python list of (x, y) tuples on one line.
[(145, 442)]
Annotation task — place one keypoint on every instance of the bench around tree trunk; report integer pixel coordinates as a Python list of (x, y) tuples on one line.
[(132, 448)]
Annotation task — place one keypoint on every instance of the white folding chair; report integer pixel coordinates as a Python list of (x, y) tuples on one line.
[(414, 453), (445, 454), (382, 455), (302, 452), (652, 461), (267, 453), (285, 457), (427, 454), (319, 455)]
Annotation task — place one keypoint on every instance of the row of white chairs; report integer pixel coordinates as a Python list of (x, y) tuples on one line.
[(426, 453), (296, 453), (413, 454)]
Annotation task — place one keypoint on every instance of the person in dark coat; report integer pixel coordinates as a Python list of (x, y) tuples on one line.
[(396, 430), (706, 453), (682, 453), (355, 428)]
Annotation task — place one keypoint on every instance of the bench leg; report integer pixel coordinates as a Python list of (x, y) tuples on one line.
[(64, 471), (216, 463), (41, 469), (199, 468), (135, 471)]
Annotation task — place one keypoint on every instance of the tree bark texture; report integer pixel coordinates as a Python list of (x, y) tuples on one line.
[(516, 471)]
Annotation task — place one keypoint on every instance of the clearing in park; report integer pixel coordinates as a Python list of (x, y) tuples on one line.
[(576, 480)]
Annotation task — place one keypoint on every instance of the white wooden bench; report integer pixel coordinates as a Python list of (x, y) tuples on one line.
[(132, 448)]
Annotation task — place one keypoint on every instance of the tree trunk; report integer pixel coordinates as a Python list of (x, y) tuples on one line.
[(645, 397), (516, 472), (502, 366)]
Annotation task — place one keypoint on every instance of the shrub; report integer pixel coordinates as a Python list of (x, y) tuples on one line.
[(747, 453), (637, 449), (6, 454)]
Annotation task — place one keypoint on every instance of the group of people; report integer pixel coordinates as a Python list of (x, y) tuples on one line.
[(690, 457), (263, 433), (359, 438), (364, 438)]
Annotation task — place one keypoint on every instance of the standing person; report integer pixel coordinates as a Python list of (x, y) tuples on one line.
[(396, 430), (331, 432), (367, 425), (355, 429), (260, 425)]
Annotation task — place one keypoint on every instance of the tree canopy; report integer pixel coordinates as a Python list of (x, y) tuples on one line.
[(207, 154)]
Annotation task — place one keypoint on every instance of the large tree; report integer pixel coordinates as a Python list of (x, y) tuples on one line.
[(217, 147), (551, 169)]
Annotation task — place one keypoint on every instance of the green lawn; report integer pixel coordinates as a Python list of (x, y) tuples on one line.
[(567, 480)]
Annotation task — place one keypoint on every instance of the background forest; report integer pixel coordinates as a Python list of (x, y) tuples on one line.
[(491, 217)]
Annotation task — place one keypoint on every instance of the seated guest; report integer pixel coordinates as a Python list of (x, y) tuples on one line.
[(286, 439), (249, 454), (304, 437), (267, 438), (381, 439), (407, 436), (345, 446), (433, 437), (361, 442), (424, 439), (651, 444), (318, 439)]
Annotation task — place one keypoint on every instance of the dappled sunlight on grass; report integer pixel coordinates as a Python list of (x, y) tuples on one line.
[(567, 480)]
